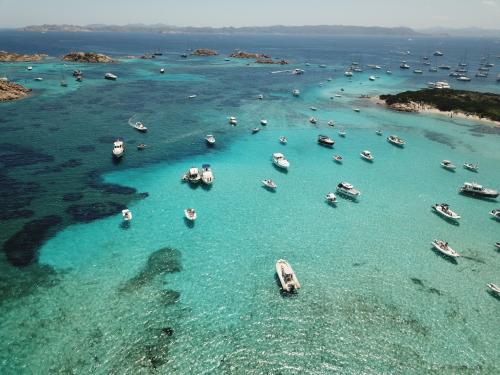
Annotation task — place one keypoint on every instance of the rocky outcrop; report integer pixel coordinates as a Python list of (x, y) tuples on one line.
[(404, 107), (271, 61), (12, 91), (204, 52), (247, 55), (15, 57), (87, 57)]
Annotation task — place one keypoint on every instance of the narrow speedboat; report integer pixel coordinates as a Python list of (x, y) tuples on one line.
[(127, 215), (210, 139), (367, 155), (325, 140), (269, 184), (342, 133), (379, 132), (283, 140), (446, 164), (233, 121), (280, 161), (494, 288), (495, 214), (313, 120), (118, 148), (255, 130), (288, 280), (443, 209), (263, 122), (444, 248), (193, 175), (474, 189), (338, 158), (331, 198), (140, 126), (395, 140), (190, 214), (296, 92), (347, 189), (110, 76), (471, 167), (207, 176)]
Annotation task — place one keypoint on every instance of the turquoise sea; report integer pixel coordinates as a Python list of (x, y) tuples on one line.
[(82, 293)]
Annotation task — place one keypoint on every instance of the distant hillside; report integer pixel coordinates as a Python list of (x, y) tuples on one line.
[(464, 32), (302, 30)]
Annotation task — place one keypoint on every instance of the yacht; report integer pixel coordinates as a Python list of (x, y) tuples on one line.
[(280, 161), (118, 148), (371, 78), (446, 164), (269, 184), (162, 70), (395, 140), (233, 121), (367, 155), (140, 126), (474, 189), (404, 66), (338, 158), (331, 198), (127, 215), (210, 139), (347, 189), (207, 177), (379, 132), (444, 248), (443, 209), (193, 175), (495, 214), (255, 130), (494, 288), (325, 140), (296, 92), (190, 214), (471, 167), (288, 280), (263, 122), (283, 140), (110, 76), (438, 53), (260, 96), (313, 120)]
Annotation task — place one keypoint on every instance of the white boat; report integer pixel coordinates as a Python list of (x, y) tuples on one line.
[(342, 133), (438, 53), (283, 140), (356, 110), (348, 73), (207, 176), (280, 161), (288, 280), (190, 214), (495, 214), (474, 189), (471, 167), (255, 130), (233, 121), (141, 146), (446, 164), (338, 95), (296, 92), (444, 248), (379, 132), (29, 68), (193, 175), (417, 71), (162, 70), (395, 140), (192, 96), (463, 79), (367, 155), (494, 288), (127, 215), (297, 71), (313, 120), (260, 96), (443, 209), (210, 139), (110, 76), (388, 72), (497, 245), (314, 109), (325, 140), (118, 148), (338, 158), (404, 66), (331, 123), (263, 122), (347, 189), (371, 78), (140, 126), (269, 184), (331, 198)]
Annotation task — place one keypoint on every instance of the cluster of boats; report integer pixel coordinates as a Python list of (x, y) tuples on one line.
[(195, 175), (446, 164)]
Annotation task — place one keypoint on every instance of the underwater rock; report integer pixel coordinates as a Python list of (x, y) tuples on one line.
[(71, 163), (168, 331), (86, 148), (16, 214), (97, 210), (16, 196), (12, 155)]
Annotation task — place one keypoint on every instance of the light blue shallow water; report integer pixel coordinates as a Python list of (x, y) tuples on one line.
[(375, 298)]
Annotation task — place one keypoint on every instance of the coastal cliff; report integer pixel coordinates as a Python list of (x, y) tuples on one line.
[(87, 57), (204, 52), (15, 57), (12, 91)]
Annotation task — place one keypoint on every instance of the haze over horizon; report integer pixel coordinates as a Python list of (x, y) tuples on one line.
[(221, 13)]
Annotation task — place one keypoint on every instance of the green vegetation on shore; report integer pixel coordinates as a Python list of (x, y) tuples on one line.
[(484, 105)]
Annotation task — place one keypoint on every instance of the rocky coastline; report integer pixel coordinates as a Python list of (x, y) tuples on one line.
[(16, 57), (204, 52), (12, 91), (87, 57)]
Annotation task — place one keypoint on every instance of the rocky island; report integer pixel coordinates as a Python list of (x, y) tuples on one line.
[(15, 57), (271, 61), (246, 55), (204, 52), (467, 104), (12, 91), (87, 57)]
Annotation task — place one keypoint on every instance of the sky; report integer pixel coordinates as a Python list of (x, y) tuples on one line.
[(411, 13)]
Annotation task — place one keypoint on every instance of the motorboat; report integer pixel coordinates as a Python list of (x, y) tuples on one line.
[(263, 122), (444, 248), (342, 133), (337, 95), (404, 66), (207, 177), (29, 68), (127, 215), (233, 121), (446, 164), (348, 73), (280, 161), (140, 126), (347, 189), (110, 76), (260, 96), (438, 53), (331, 198), (371, 78), (471, 167), (395, 140), (190, 214), (325, 140), (433, 69), (439, 85), (314, 109), (141, 146), (444, 210), (495, 214), (255, 130), (379, 132), (338, 158), (286, 275), (417, 71), (367, 155), (193, 175), (79, 79), (356, 110), (283, 140), (77, 73), (192, 96), (297, 71), (494, 288), (269, 184), (296, 92), (388, 72), (474, 189), (444, 67), (38, 79), (162, 70), (313, 120), (497, 245), (463, 79), (210, 139), (118, 148), (331, 123)]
